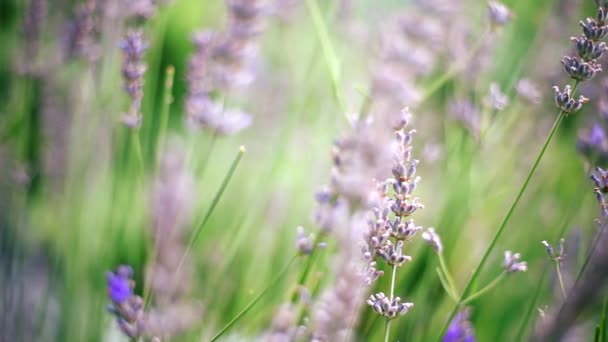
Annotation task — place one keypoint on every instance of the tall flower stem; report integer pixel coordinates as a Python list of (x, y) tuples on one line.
[(166, 107), (254, 300), (216, 199), (387, 326), (500, 230), (487, 288), (558, 269)]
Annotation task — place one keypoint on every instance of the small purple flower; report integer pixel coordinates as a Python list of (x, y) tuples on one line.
[(460, 329), (120, 284)]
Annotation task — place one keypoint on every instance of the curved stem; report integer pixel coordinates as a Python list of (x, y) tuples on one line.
[(448, 275), (498, 233), (560, 278), (254, 300), (487, 288)]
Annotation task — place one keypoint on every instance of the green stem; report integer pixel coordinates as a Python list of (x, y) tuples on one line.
[(214, 202), (560, 278), (387, 327), (254, 300), (498, 233), (167, 101), (138, 150), (329, 53), (448, 275), (487, 288)]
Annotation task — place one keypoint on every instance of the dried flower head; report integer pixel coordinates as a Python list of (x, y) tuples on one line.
[(512, 264)]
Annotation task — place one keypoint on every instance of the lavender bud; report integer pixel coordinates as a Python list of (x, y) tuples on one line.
[(600, 178), (433, 239), (594, 30), (565, 102), (402, 120), (499, 14), (405, 230), (496, 98), (393, 253), (580, 70), (304, 243), (388, 308), (512, 264), (548, 248), (588, 49)]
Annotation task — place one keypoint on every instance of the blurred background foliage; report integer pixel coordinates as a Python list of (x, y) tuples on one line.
[(60, 232)]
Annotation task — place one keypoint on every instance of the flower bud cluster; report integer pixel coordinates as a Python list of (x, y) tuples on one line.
[(600, 179), (585, 66)]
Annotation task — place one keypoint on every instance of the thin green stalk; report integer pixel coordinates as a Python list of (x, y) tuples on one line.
[(453, 70), (560, 278), (167, 101), (447, 274), (446, 286), (487, 288), (329, 53), (498, 233), (254, 300), (199, 227), (527, 317), (138, 150), (387, 327)]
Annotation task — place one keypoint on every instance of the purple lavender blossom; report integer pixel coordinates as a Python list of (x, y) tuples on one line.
[(120, 284), (460, 329)]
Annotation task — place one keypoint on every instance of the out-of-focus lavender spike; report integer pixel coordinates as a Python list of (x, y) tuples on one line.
[(496, 99), (460, 329), (528, 91), (467, 113), (33, 24), (133, 47), (79, 37)]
